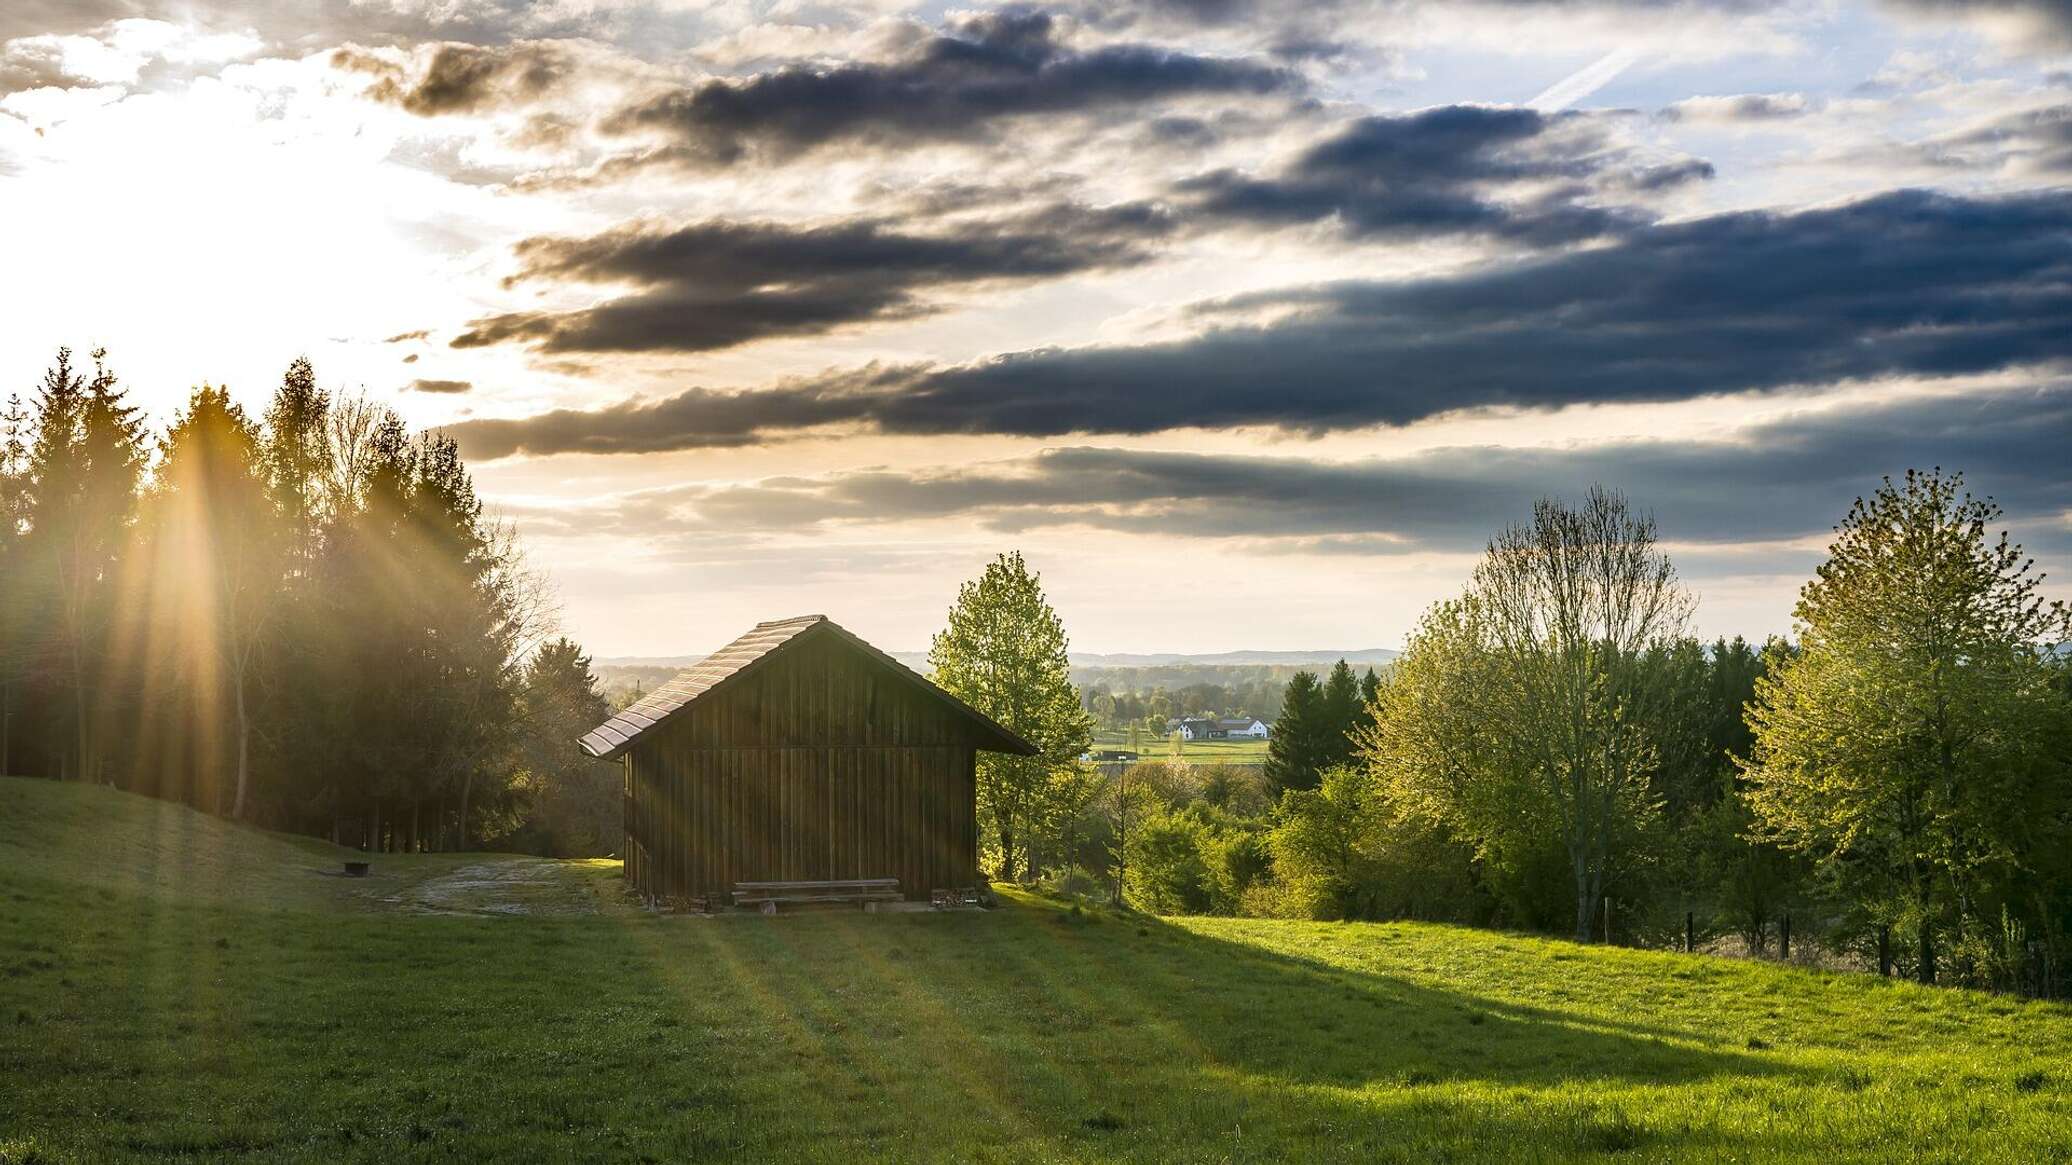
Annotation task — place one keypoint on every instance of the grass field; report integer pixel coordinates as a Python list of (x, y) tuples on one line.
[(174, 987), (1201, 752)]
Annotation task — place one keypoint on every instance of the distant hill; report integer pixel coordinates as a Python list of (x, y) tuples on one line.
[(918, 660), (1361, 655), (625, 677)]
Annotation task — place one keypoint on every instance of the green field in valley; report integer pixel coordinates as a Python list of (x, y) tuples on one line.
[(172, 986), (1201, 752)]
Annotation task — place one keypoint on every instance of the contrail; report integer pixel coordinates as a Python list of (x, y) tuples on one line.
[(1584, 81)]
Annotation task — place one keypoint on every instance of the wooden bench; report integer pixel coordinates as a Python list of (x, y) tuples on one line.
[(862, 890)]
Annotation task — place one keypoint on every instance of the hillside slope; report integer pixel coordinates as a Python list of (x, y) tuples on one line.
[(171, 985)]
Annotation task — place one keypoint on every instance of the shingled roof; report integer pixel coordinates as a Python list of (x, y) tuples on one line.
[(612, 738)]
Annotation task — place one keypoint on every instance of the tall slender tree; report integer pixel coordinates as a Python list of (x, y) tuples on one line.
[(218, 563), (575, 798), (1341, 714), (1004, 653), (14, 580), (296, 457), (84, 472), (1298, 749)]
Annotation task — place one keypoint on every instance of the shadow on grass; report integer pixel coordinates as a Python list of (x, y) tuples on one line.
[(1306, 1019), (1032, 1029), (149, 1028)]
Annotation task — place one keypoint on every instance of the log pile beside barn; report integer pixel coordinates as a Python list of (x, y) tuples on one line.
[(799, 753)]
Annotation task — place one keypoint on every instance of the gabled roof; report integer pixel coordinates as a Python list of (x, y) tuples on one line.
[(612, 738)]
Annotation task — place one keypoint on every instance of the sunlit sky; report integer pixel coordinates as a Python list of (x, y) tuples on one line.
[(1248, 321)]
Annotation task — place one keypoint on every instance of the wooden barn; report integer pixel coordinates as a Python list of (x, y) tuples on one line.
[(799, 753)]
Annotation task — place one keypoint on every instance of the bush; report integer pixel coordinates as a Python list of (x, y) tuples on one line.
[(1239, 856), (1077, 884), (1343, 851), (1166, 869)]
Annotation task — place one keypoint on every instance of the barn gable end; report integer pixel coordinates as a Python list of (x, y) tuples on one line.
[(799, 753)]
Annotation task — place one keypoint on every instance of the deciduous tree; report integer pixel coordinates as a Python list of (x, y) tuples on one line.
[(1919, 710), (1004, 653), (1523, 712)]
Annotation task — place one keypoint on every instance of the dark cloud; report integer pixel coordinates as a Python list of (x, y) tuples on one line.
[(1785, 480), (959, 85), (2031, 141), (1457, 169), (697, 419), (719, 284), (715, 285), (1904, 283), (463, 78), (1224, 12), (1346, 29), (442, 386)]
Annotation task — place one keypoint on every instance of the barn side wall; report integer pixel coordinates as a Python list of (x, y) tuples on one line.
[(819, 764)]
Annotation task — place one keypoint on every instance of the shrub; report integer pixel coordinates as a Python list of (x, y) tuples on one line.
[(1167, 871), (1076, 884)]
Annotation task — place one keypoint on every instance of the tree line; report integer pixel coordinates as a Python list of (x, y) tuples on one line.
[(303, 618), (1145, 710), (1555, 751)]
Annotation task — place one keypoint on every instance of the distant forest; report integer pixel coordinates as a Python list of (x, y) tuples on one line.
[(1121, 698), (1118, 697)]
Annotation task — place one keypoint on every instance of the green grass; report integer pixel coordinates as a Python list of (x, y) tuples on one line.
[(174, 987), (1201, 752)]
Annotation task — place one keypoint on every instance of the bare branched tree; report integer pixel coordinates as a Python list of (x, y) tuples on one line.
[(1572, 602)]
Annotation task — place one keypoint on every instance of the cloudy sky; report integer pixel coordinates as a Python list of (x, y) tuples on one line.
[(1247, 320)]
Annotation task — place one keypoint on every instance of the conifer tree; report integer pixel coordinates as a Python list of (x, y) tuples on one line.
[(1299, 749), (84, 471), (1341, 715), (14, 580), (575, 798), (217, 566)]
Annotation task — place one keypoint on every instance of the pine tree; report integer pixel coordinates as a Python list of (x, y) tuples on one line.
[(1299, 748), (296, 455), (1003, 653), (301, 761), (575, 798), (14, 581), (1341, 715), (1370, 691), (217, 565), (84, 471)]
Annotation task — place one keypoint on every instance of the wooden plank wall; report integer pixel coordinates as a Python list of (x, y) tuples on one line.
[(821, 764)]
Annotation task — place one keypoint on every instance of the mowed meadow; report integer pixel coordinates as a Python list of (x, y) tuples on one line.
[(175, 985)]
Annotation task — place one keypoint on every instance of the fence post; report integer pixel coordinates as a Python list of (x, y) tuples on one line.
[(1784, 939), (1689, 932), (1884, 952)]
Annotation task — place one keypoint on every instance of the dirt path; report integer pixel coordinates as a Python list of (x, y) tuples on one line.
[(512, 885)]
